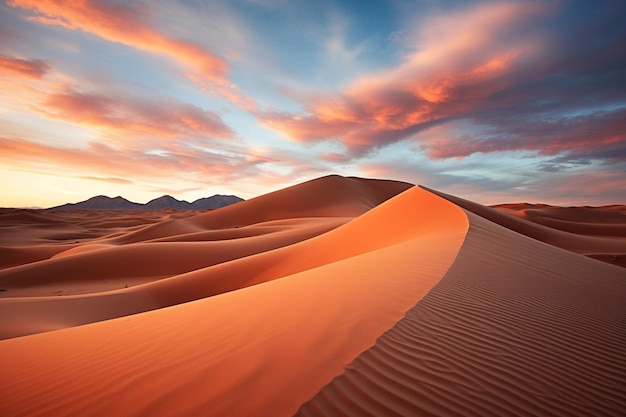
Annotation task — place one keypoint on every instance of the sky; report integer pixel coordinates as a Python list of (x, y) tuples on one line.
[(493, 101)]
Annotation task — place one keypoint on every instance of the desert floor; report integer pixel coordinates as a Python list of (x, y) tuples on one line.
[(335, 297)]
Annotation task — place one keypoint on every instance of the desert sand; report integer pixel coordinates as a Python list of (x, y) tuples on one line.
[(335, 297)]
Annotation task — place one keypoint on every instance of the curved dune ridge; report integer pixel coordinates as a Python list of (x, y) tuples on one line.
[(338, 296), (515, 328)]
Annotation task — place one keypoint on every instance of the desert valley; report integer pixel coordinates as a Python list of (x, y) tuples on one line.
[(339, 296)]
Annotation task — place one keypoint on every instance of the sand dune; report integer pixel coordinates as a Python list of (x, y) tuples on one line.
[(606, 246), (339, 296), (598, 221), (515, 327), (29, 236)]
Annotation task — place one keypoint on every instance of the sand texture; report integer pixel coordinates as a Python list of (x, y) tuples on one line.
[(334, 297)]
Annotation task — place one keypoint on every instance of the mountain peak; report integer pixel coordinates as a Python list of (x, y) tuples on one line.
[(102, 202), (165, 202)]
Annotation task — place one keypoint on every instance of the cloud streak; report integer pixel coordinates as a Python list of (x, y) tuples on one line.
[(132, 24), (126, 23), (112, 164), (111, 180), (131, 117), (27, 68), (573, 137)]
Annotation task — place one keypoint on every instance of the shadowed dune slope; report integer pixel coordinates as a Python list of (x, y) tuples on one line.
[(331, 196), (42, 234), (595, 221), (515, 328), (611, 249), (261, 350)]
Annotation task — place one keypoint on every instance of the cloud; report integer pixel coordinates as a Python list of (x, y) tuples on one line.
[(498, 68), (458, 60), (28, 68), (174, 191), (512, 183), (111, 180), (573, 137), (112, 164), (132, 117), (133, 24), (593, 187), (334, 157), (126, 23)]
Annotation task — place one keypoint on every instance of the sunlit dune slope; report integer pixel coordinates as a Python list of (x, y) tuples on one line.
[(290, 321)]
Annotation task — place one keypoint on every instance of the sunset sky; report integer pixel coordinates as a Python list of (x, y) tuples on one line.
[(493, 101)]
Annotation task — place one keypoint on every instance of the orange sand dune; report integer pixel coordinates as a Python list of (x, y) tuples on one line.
[(339, 296)]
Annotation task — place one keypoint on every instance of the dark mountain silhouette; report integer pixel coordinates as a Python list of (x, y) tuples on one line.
[(165, 202), (215, 201), (102, 202)]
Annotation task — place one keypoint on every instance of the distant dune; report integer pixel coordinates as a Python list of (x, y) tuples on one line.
[(335, 297)]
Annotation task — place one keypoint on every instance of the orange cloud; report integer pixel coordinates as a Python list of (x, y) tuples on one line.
[(29, 68), (133, 118), (112, 180), (333, 157), (129, 24), (110, 164)]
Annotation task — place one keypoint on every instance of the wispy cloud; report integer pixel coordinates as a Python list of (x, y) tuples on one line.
[(133, 118), (134, 24), (475, 180), (112, 164), (587, 136), (126, 23), (29, 68), (111, 180)]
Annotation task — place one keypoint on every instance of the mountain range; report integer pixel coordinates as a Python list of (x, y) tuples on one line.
[(102, 202)]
